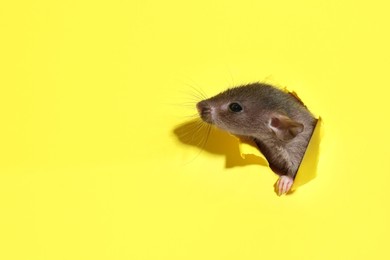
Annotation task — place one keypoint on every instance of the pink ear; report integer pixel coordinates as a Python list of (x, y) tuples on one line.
[(284, 127)]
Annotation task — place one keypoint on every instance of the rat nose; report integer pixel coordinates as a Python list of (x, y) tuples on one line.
[(199, 106), (204, 111), (202, 106)]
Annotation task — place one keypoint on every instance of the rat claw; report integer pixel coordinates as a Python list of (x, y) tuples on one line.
[(280, 187), (284, 184)]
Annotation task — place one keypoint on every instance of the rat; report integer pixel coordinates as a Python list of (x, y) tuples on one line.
[(278, 123)]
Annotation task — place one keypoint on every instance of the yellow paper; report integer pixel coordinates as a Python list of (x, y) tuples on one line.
[(91, 93), (308, 168)]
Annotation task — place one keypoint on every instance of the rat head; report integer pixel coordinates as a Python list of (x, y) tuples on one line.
[(256, 110)]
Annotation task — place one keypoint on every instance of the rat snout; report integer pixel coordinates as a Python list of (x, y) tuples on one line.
[(204, 111), (200, 106)]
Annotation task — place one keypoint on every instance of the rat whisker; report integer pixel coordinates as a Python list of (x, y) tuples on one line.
[(199, 92), (190, 90), (191, 97), (201, 126), (231, 77), (192, 116), (206, 137), (194, 94), (184, 105), (192, 132), (199, 133), (189, 103), (204, 95), (197, 129)]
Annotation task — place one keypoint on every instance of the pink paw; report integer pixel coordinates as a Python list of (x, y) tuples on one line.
[(284, 184)]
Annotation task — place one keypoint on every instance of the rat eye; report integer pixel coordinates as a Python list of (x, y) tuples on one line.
[(235, 107)]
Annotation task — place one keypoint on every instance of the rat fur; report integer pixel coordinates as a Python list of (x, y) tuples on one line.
[(276, 121)]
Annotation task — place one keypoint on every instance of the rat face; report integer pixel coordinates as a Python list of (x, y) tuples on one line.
[(254, 110), (237, 114)]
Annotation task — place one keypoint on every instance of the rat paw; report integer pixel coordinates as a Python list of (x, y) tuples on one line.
[(284, 184)]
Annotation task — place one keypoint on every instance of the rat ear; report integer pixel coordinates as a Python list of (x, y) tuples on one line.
[(284, 127)]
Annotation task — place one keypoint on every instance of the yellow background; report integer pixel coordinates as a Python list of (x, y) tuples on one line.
[(91, 93)]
